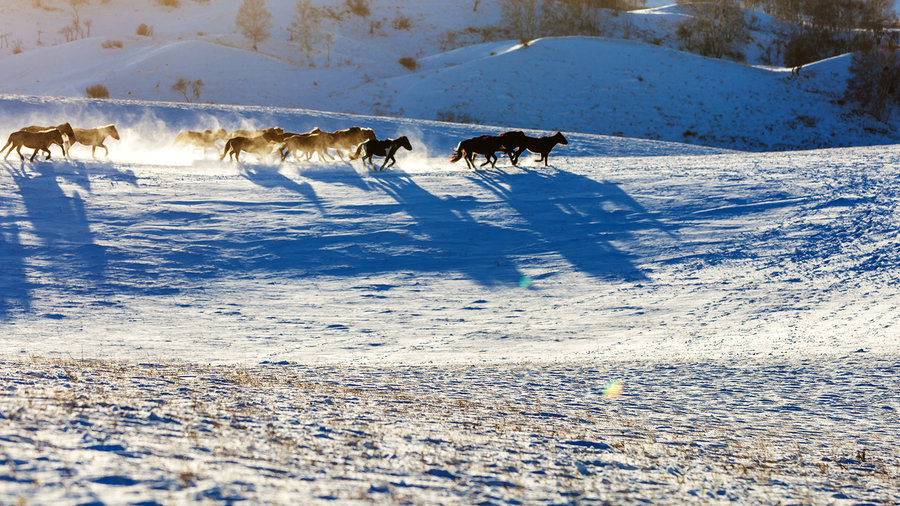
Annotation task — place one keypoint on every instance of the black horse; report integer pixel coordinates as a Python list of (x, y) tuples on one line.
[(386, 148), (489, 146), (541, 145)]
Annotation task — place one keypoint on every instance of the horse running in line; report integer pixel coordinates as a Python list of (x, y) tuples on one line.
[(349, 138), (262, 145), (489, 145), (65, 129), (309, 143), (541, 145), (94, 137), (206, 139), (386, 148), (39, 141)]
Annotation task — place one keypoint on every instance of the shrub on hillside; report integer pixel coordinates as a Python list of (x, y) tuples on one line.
[(359, 7), (409, 62), (144, 30), (97, 91), (111, 44), (874, 83), (402, 22), (715, 29), (170, 3)]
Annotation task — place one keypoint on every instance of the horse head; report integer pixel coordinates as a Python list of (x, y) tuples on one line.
[(111, 130), (404, 142), (558, 137)]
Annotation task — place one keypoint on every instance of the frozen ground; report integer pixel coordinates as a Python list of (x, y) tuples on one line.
[(181, 329), (814, 431)]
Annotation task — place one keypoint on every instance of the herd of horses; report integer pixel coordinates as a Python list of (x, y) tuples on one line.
[(41, 138), (357, 142)]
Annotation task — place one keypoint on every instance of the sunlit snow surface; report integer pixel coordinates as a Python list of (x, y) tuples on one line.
[(372, 337)]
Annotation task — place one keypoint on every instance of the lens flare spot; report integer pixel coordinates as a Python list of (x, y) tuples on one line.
[(525, 282), (613, 389)]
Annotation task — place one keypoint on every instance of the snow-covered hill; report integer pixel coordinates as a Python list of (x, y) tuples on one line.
[(589, 85), (638, 321)]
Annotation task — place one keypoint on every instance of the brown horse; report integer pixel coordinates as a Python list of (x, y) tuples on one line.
[(39, 141), (255, 133), (65, 129), (386, 148), (309, 143), (206, 139), (262, 145), (541, 145), (349, 138), (94, 137), (489, 145)]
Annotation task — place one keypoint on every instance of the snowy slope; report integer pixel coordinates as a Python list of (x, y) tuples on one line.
[(602, 86), (660, 249), (176, 328)]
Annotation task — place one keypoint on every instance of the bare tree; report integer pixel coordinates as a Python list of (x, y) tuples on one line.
[(716, 28), (305, 28), (874, 82), (254, 21), (524, 18), (182, 86)]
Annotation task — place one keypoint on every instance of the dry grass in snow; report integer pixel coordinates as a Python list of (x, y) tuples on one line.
[(764, 432)]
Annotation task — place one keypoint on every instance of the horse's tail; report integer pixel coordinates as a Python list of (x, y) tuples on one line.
[(358, 153), (9, 143), (229, 145), (458, 154)]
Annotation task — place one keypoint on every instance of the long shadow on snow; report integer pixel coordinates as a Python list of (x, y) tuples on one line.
[(576, 217), (65, 255), (269, 177)]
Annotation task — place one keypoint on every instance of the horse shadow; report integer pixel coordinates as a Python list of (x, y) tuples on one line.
[(447, 237), (272, 178), (65, 252), (577, 217)]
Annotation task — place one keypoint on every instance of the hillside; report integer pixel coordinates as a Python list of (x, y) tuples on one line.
[(607, 86)]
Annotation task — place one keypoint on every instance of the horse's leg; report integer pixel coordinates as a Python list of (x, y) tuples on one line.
[(519, 153), (390, 158), (32, 154), (106, 149), (470, 160)]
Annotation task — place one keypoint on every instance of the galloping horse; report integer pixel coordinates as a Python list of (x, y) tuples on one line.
[(309, 143), (262, 145), (206, 139), (541, 145), (349, 138), (39, 141), (386, 148), (65, 129), (94, 137), (489, 145)]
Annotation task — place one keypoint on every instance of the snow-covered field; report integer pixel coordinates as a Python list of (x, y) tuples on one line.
[(179, 329), (439, 335)]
